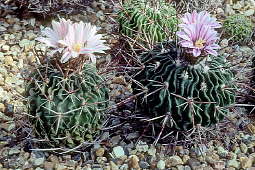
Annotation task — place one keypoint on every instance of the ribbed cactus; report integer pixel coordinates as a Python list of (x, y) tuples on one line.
[(188, 93), (148, 21), (67, 110)]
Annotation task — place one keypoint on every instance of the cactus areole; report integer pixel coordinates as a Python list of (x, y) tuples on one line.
[(186, 92)]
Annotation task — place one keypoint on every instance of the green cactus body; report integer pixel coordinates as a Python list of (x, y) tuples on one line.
[(188, 94), (148, 22), (239, 27), (67, 110)]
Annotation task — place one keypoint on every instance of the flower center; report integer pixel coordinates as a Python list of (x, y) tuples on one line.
[(200, 43), (77, 47)]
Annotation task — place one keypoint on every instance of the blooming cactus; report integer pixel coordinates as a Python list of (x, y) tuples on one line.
[(201, 17), (73, 40), (197, 34)]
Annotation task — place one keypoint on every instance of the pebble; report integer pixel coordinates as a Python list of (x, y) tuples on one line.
[(2, 29), (38, 161), (142, 146), (118, 152), (100, 152), (173, 161), (133, 162), (246, 162), (113, 166), (161, 164), (249, 12), (233, 163)]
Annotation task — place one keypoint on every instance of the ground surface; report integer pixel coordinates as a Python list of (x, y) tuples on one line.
[(230, 145)]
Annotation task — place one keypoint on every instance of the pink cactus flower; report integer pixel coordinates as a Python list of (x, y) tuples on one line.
[(202, 17), (198, 39), (82, 39), (59, 31)]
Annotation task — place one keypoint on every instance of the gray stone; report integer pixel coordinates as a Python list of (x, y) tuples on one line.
[(249, 12), (161, 164), (118, 151), (233, 163)]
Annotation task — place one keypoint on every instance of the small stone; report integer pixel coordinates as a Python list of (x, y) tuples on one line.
[(8, 60), (161, 164), (222, 152), (124, 167), (133, 162), (38, 161), (229, 10), (173, 161), (144, 165), (118, 151), (142, 146), (48, 165), (100, 152), (101, 160), (185, 158), (246, 162), (94, 4), (14, 151), (2, 107), (5, 47), (237, 6), (249, 12), (233, 163), (152, 151), (186, 167), (218, 165), (194, 163), (2, 29), (224, 43), (113, 166), (16, 27), (243, 148)]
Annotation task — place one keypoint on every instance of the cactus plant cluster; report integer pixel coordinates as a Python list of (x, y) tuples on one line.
[(67, 110), (188, 93), (238, 27), (148, 22)]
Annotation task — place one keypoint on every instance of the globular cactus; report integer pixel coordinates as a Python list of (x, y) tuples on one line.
[(238, 27), (148, 22), (188, 93), (66, 110)]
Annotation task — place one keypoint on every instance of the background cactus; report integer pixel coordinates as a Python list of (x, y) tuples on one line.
[(188, 94), (67, 110), (239, 27), (148, 21)]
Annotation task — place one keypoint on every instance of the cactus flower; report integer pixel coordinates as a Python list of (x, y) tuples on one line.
[(73, 39), (202, 17), (198, 39), (59, 31), (82, 39)]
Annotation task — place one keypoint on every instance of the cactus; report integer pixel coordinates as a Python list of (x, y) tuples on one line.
[(188, 93), (239, 27), (148, 22), (67, 110)]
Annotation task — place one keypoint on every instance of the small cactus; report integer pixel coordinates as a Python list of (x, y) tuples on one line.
[(238, 27), (66, 110), (148, 22), (189, 93)]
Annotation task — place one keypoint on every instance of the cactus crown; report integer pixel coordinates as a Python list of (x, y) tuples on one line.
[(187, 93), (238, 27), (148, 22)]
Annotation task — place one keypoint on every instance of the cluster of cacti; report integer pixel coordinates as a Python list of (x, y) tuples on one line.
[(66, 110), (188, 93), (148, 22), (238, 27)]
